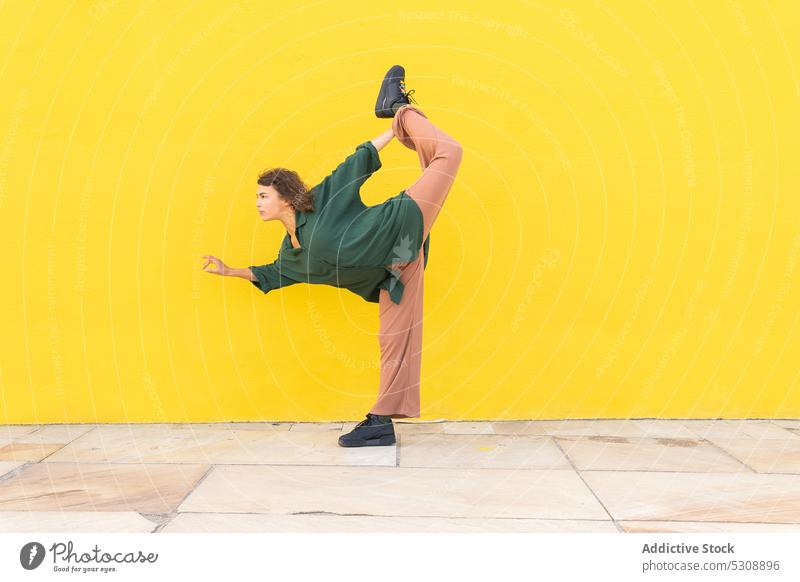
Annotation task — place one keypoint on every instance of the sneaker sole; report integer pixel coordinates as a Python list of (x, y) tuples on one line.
[(381, 441)]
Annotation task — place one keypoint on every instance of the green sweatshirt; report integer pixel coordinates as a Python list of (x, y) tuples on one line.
[(346, 243)]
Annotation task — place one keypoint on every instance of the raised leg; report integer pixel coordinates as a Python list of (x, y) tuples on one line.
[(439, 156), (400, 334)]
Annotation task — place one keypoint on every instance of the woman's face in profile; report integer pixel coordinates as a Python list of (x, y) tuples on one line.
[(269, 204)]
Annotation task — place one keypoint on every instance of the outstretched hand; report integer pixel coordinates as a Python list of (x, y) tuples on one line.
[(222, 268)]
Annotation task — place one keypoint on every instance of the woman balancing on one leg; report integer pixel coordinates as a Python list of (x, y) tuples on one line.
[(378, 252)]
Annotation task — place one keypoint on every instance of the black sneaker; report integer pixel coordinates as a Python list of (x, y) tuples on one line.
[(375, 430), (393, 93)]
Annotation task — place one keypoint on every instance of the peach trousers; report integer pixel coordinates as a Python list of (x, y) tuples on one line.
[(400, 335)]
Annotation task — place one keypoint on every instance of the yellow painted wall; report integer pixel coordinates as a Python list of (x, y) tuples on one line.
[(622, 241)]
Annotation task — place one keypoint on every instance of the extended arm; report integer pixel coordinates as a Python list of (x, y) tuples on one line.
[(380, 141), (225, 270), (343, 184), (244, 273), (267, 277)]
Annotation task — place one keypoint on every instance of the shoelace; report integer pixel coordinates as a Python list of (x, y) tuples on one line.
[(408, 94), (363, 422)]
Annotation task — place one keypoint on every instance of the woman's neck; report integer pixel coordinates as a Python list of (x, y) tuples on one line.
[(289, 221)]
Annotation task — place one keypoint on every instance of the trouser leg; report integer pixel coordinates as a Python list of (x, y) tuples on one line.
[(439, 156), (400, 339)]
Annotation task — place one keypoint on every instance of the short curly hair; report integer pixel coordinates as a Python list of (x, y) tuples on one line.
[(290, 187)]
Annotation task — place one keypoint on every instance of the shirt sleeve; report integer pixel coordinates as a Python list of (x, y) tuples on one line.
[(269, 277), (344, 183)]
